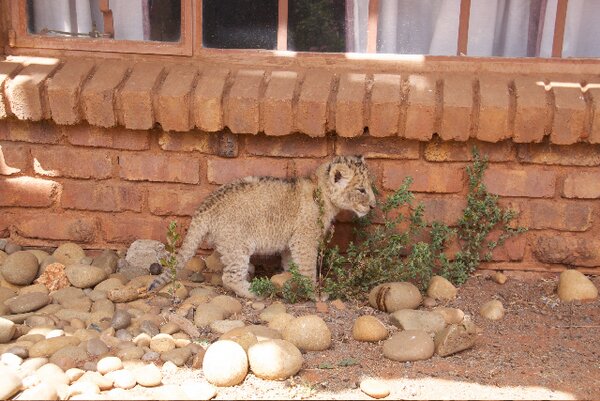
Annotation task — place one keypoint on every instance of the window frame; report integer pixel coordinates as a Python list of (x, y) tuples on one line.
[(20, 38)]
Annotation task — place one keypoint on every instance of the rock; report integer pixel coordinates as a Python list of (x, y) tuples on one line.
[(54, 277), (408, 319), (10, 383), (374, 388), (575, 286), (43, 391), (440, 288), (19, 351), (229, 304), (3, 256), (96, 347), (149, 328), (199, 391), (197, 277), (258, 306), (155, 269), (86, 388), (142, 340), (86, 260), (142, 253), (499, 278), (148, 376), (492, 310), (84, 276), (207, 292), (69, 357), (11, 360), (272, 310), (130, 354), (162, 343), (369, 328), (208, 313), (107, 261), (150, 356), (11, 248), (53, 373), (280, 279), (409, 345), (391, 297), (27, 302), (67, 294), (104, 305), (3, 243), (111, 283), (39, 254), (178, 356), (195, 264), (242, 336), (275, 359), (280, 321), (74, 374), (170, 328), (450, 315), (69, 253), (46, 348), (103, 383), (429, 302), (122, 379), (109, 364), (225, 363), (455, 338), (213, 263), (308, 333), (6, 293), (33, 288), (223, 326), (20, 268), (121, 319), (7, 330)]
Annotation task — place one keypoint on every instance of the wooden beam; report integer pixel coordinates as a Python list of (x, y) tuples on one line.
[(559, 28), (282, 25), (463, 28), (372, 27)]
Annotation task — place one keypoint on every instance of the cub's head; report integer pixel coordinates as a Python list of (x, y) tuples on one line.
[(348, 183)]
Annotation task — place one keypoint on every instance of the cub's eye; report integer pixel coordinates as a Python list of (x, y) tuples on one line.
[(362, 190)]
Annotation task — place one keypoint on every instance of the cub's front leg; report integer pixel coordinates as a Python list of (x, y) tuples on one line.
[(304, 251)]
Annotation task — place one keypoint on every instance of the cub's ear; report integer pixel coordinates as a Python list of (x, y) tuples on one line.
[(340, 175)]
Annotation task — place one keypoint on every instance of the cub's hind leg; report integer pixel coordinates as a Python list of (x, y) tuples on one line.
[(235, 271)]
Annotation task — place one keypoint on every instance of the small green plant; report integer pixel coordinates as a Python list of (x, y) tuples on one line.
[(169, 262), (298, 287), (263, 287)]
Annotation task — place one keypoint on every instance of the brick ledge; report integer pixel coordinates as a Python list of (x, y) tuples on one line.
[(181, 97)]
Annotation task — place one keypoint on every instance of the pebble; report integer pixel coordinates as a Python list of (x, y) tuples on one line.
[(148, 375), (103, 382), (19, 351), (575, 286), (280, 321), (66, 294), (48, 347), (170, 328), (96, 347), (43, 391), (69, 357), (199, 391), (122, 379), (369, 328), (243, 337), (450, 315), (68, 253), (149, 328), (499, 278), (109, 364), (275, 359), (85, 387), (308, 333), (442, 289), (225, 363), (391, 297), (3, 256), (74, 374), (142, 340), (107, 261), (84, 276), (280, 279), (429, 302), (492, 310), (7, 330), (6, 293), (3, 243), (11, 248), (408, 319), (111, 283), (121, 319), (150, 356), (229, 304), (11, 360), (130, 353), (123, 335), (374, 388), (223, 326), (271, 311), (20, 268), (178, 356), (33, 288), (208, 313), (155, 269), (27, 302), (409, 345), (162, 343), (258, 306), (455, 338), (86, 260), (10, 383)]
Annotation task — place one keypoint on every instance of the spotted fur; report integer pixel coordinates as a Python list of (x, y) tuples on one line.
[(266, 215)]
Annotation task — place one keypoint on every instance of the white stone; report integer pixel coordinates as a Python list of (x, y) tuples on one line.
[(275, 359), (225, 363), (109, 364)]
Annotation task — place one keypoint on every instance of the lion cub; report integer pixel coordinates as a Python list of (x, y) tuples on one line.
[(266, 215)]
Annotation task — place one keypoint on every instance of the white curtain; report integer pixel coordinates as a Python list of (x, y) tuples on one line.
[(130, 17)]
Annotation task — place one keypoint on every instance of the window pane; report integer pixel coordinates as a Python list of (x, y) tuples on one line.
[(239, 24), (418, 26), (158, 20), (582, 29), (317, 25)]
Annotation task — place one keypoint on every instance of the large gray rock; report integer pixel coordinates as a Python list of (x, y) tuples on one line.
[(27, 302), (275, 359), (308, 333), (20, 268), (390, 297), (84, 276), (408, 319), (409, 345), (142, 253)]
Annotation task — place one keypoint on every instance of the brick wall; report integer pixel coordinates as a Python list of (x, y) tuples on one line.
[(103, 153)]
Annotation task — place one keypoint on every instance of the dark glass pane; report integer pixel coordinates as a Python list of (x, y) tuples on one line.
[(165, 20), (239, 24), (317, 25)]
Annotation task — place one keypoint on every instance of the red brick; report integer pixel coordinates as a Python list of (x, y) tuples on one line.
[(582, 185), (159, 167), (421, 109), (567, 249), (526, 182), (208, 99), (116, 138), (58, 226), (193, 141), (580, 154), (223, 171), (27, 192), (494, 109), (378, 148), (243, 104), (170, 200), (135, 98), (126, 227), (441, 151), (98, 94), (25, 131), (296, 145), (25, 92), (427, 177), (570, 115), (312, 112), (64, 89), (457, 108), (556, 215), (277, 108), (302, 167), (58, 161), (513, 249), (14, 158), (447, 210), (385, 105), (7, 70), (532, 115), (109, 197), (349, 105), (173, 100)]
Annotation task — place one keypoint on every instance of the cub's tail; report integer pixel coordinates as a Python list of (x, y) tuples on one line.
[(193, 238)]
